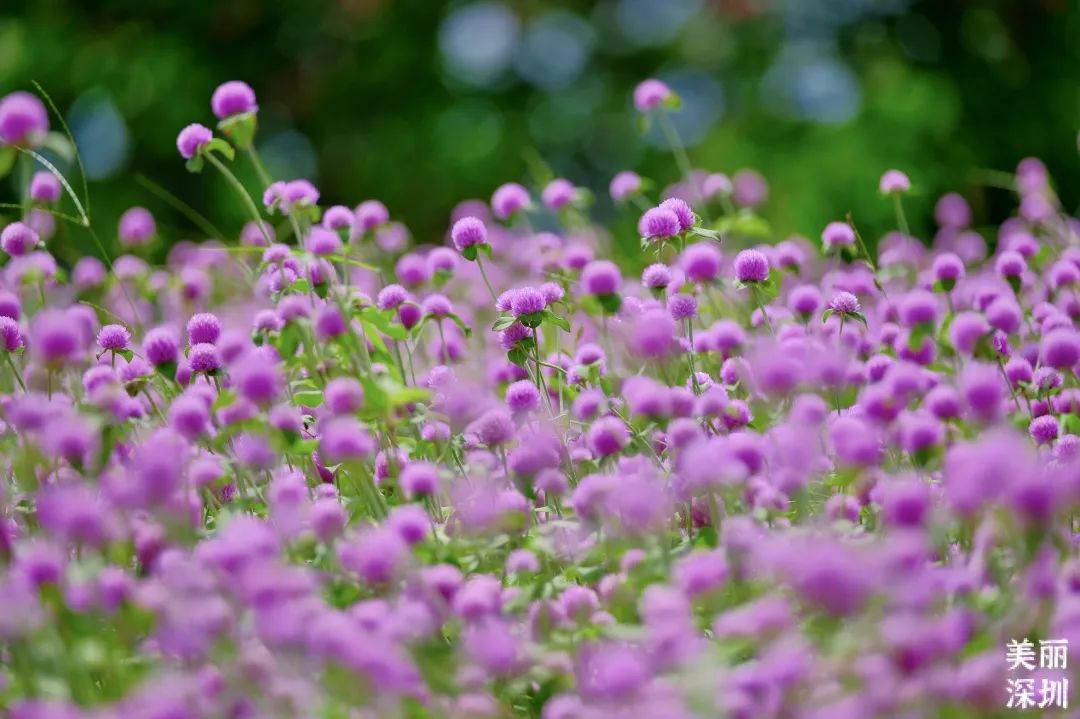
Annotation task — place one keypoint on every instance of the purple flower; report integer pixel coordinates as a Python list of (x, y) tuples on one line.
[(343, 395), (10, 334), (137, 227), (419, 479), (1060, 349), (656, 277), (192, 139), (329, 324), (845, 303), (203, 358), (650, 94), (17, 239), (658, 223), (1044, 430), (681, 210), (113, 337), (203, 328), (701, 262), (607, 436), (624, 185), (468, 232), (523, 396), (558, 194), (23, 119), (44, 187), (160, 346), (682, 307), (601, 277), (751, 266), (55, 337), (837, 235), (371, 214), (508, 199), (233, 98), (527, 301), (343, 439), (894, 182)]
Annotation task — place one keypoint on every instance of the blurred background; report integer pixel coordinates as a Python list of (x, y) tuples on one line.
[(422, 104)]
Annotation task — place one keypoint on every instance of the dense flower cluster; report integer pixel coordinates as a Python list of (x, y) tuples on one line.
[(317, 471)]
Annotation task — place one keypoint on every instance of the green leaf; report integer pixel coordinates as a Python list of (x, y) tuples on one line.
[(308, 398), (826, 315), (409, 395), (225, 399), (195, 164), (503, 322), (300, 286), (240, 129), (770, 288), (218, 144), (355, 263), (461, 324), (518, 355), (469, 253), (8, 154), (554, 319), (289, 340), (706, 233), (382, 322), (858, 317)]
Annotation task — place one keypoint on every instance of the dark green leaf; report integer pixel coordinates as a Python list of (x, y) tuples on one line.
[(218, 144), (554, 319)]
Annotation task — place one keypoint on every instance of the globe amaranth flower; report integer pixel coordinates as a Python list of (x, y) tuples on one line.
[(658, 224), (233, 98), (558, 194), (845, 303), (44, 187), (11, 338), (18, 239), (624, 185), (1060, 349), (468, 232), (805, 300), (681, 210), (651, 94), (419, 479), (682, 307), (55, 337), (161, 346), (527, 301), (203, 358), (192, 139), (137, 227), (203, 328), (751, 266), (508, 199), (656, 277), (344, 438), (701, 262), (523, 396), (114, 337), (952, 211), (1044, 430), (23, 119), (894, 182), (837, 235), (371, 214), (607, 436), (343, 395), (947, 269), (601, 277)]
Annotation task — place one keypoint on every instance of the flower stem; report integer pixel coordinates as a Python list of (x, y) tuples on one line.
[(15, 371), (487, 283), (250, 203)]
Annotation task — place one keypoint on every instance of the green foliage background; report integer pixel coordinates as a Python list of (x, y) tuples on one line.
[(364, 81)]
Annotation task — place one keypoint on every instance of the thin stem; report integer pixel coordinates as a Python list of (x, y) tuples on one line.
[(15, 371), (231, 178), (764, 314), (260, 168), (487, 283), (901, 218)]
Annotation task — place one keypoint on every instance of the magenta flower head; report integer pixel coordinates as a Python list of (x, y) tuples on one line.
[(751, 266), (17, 239), (161, 347), (419, 479), (371, 214), (658, 224), (805, 300), (527, 301), (607, 436), (233, 98), (44, 187), (329, 323), (1060, 349), (918, 307), (203, 328), (558, 194), (508, 199), (1011, 265), (837, 235), (203, 358), (652, 335), (894, 182), (601, 278), (523, 396), (344, 438), (656, 277), (113, 337), (257, 378), (1044, 430), (11, 338), (322, 242), (651, 94), (952, 211), (701, 262), (682, 307), (192, 139), (137, 227), (681, 210), (23, 119), (467, 234), (845, 303), (947, 269), (624, 185), (55, 337), (343, 395)]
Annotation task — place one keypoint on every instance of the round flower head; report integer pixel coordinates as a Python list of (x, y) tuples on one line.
[(894, 182), (1010, 264), (233, 98), (805, 300), (701, 262), (436, 306), (523, 396), (371, 214), (493, 428), (343, 395), (391, 297), (1044, 430), (329, 323), (17, 239), (419, 479), (189, 416), (467, 232), (193, 139), (845, 303), (650, 94), (255, 235), (751, 266), (658, 223), (113, 337), (45, 187), (653, 334), (837, 235), (55, 337), (338, 218), (527, 301), (601, 277), (203, 358), (160, 346), (10, 334), (682, 307), (918, 307), (558, 194), (1060, 349), (23, 119), (947, 268), (656, 277), (137, 227), (508, 199), (257, 378), (344, 438), (952, 211), (10, 306), (966, 330), (624, 185), (322, 242), (203, 328), (681, 210), (607, 436)]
